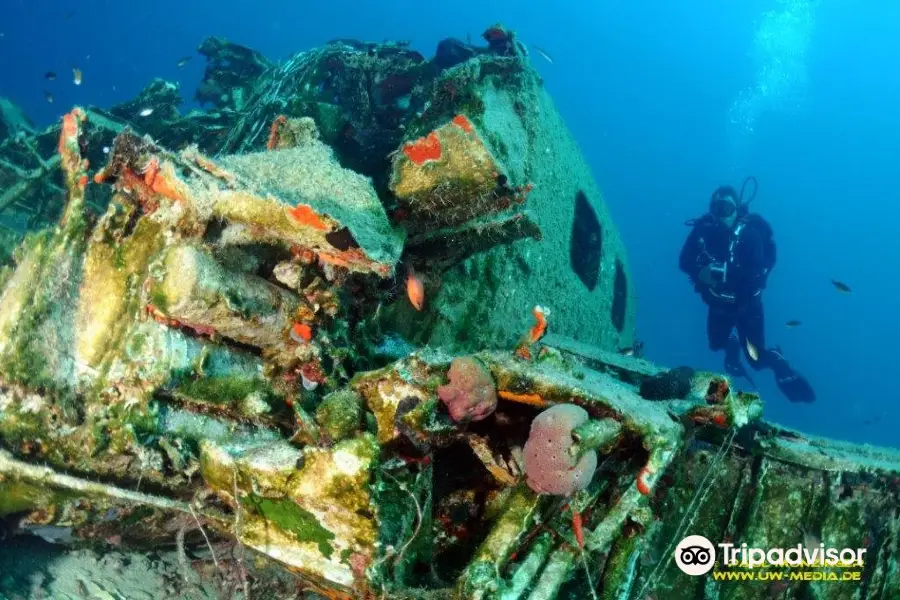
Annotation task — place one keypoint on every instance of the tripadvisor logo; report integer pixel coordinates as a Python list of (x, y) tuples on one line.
[(695, 555)]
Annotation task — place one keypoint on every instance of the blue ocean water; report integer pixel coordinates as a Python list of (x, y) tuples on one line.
[(667, 100)]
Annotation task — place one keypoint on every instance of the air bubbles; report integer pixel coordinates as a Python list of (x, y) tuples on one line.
[(781, 47)]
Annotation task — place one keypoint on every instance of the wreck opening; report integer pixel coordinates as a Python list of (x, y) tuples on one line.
[(586, 242)]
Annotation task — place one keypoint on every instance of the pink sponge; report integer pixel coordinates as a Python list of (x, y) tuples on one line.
[(470, 395), (550, 467)]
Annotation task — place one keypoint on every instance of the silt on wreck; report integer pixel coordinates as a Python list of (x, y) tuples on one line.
[(211, 338)]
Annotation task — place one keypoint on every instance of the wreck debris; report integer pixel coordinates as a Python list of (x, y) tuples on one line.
[(335, 213), (482, 450), (231, 72), (13, 121), (272, 470), (602, 435), (54, 483), (340, 414), (449, 177), (29, 180), (290, 133), (196, 291), (317, 511), (443, 248), (161, 98), (295, 197), (359, 94), (198, 341), (502, 41), (74, 167), (675, 383)]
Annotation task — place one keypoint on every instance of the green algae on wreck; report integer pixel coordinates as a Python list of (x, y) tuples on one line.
[(18, 497), (294, 519), (224, 390), (340, 414)]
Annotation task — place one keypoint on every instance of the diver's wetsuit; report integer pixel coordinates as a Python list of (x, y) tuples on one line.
[(741, 257)]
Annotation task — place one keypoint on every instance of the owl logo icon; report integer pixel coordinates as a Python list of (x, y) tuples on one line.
[(695, 555)]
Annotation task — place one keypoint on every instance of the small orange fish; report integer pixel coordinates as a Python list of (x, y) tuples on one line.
[(415, 290)]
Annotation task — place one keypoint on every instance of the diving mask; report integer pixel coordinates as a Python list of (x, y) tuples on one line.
[(722, 207)]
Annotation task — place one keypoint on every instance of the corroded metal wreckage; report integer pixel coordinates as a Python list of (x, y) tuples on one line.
[(213, 354)]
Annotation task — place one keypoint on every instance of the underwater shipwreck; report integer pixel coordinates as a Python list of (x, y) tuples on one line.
[(355, 329)]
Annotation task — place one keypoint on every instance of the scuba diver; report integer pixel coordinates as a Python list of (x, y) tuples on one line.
[(728, 257)]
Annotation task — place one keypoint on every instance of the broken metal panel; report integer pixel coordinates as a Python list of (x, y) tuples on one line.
[(307, 509), (307, 176), (13, 121), (449, 177), (444, 248), (114, 265), (198, 292), (231, 72), (294, 197)]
